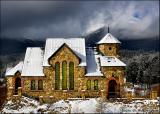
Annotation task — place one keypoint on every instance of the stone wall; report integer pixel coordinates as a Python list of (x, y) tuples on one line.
[(11, 83), (80, 81), (65, 54), (114, 73), (26, 85), (109, 49)]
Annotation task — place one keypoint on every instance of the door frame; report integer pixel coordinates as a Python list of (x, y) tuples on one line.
[(17, 85), (117, 88), (112, 85)]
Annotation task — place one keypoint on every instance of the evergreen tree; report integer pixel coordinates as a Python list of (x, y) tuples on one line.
[(132, 72)]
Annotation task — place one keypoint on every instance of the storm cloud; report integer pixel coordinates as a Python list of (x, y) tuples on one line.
[(42, 19)]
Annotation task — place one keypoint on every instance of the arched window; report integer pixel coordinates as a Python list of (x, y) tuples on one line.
[(57, 76), (33, 85), (71, 76), (64, 75), (17, 84), (88, 84), (95, 84), (40, 85)]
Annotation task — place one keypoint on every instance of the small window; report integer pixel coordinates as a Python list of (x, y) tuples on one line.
[(57, 76), (40, 85), (33, 85), (95, 84), (88, 84), (110, 48), (71, 76), (64, 75)]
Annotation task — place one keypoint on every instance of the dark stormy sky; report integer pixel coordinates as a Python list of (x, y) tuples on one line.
[(42, 19)]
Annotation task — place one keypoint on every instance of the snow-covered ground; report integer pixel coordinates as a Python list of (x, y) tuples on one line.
[(93, 105)]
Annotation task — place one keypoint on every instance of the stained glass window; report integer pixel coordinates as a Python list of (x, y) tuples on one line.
[(33, 84), (64, 75), (88, 84), (71, 76), (95, 84), (57, 76), (40, 85)]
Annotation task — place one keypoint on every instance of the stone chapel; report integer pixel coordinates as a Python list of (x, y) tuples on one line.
[(66, 68)]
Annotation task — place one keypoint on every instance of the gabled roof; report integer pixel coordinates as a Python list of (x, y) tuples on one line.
[(108, 38), (111, 61), (36, 58), (76, 44), (61, 48), (33, 62), (93, 64), (12, 71)]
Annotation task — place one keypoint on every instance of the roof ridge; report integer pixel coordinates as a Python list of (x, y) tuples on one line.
[(65, 38), (108, 38)]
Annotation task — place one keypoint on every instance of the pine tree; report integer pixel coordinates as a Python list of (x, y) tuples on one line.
[(132, 72)]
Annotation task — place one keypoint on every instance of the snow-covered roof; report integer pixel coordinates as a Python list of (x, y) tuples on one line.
[(93, 64), (111, 61), (35, 58), (33, 62), (76, 44), (95, 61), (108, 38), (12, 71)]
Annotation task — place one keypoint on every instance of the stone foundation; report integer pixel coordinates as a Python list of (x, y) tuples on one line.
[(109, 49), (67, 95)]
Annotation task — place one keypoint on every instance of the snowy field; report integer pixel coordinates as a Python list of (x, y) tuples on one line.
[(93, 105)]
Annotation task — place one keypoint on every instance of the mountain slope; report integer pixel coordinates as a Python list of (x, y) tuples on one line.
[(11, 46), (17, 45), (147, 44)]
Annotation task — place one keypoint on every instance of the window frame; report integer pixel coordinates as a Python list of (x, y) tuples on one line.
[(57, 76), (33, 85), (71, 76), (40, 87), (88, 84), (64, 75), (96, 84)]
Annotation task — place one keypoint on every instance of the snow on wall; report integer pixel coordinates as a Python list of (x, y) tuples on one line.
[(12, 71), (33, 62), (76, 44), (109, 38)]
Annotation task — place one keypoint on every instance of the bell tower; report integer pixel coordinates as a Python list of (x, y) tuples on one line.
[(109, 45)]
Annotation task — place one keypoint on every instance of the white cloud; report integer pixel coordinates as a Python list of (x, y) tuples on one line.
[(122, 18), (135, 19)]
